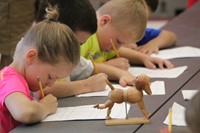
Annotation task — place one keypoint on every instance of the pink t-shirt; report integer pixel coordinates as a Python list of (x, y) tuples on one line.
[(10, 81)]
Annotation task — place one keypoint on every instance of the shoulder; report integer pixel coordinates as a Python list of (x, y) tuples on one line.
[(11, 82), (92, 41)]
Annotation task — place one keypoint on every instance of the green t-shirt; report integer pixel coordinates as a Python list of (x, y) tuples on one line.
[(92, 46)]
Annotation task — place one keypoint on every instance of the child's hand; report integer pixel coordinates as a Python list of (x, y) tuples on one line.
[(121, 63), (152, 63), (96, 82), (50, 102), (148, 49), (127, 79)]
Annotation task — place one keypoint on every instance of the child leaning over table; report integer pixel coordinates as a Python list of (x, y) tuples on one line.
[(124, 22), (154, 39), (83, 78), (49, 50)]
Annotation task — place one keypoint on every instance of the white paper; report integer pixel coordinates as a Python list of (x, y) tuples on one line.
[(178, 115), (158, 73), (87, 112), (188, 94), (157, 88), (180, 52)]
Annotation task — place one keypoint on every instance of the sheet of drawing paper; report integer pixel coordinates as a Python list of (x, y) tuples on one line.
[(188, 94), (86, 112), (178, 115), (180, 52), (158, 73)]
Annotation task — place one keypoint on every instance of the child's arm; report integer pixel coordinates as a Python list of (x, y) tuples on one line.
[(26, 111), (121, 63), (124, 77), (164, 40), (138, 58), (92, 84), (65, 89)]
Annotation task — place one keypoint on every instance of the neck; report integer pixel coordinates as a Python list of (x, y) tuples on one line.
[(18, 66)]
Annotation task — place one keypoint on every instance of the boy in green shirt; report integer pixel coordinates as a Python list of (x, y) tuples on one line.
[(124, 22)]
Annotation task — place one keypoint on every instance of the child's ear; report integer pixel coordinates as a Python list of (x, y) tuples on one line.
[(105, 19), (31, 56)]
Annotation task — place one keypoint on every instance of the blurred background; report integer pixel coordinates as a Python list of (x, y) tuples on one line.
[(166, 10)]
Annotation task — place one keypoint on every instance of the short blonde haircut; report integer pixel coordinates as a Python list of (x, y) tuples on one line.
[(55, 42), (127, 14)]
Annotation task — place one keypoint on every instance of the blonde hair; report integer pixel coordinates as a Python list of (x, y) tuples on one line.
[(126, 14), (53, 40)]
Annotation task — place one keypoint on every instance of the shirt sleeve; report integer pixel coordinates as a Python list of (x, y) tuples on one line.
[(10, 86), (85, 49), (83, 70), (149, 35)]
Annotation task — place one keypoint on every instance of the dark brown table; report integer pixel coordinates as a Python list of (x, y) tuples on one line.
[(159, 117), (187, 28)]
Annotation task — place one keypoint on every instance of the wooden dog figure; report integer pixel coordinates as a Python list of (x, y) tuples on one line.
[(131, 95)]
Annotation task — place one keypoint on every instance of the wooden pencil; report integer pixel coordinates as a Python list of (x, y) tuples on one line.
[(91, 58), (170, 121), (114, 48), (40, 87)]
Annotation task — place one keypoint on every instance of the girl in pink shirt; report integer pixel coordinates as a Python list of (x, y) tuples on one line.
[(49, 50)]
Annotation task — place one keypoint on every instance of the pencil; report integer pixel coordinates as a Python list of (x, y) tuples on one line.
[(114, 48), (170, 120), (109, 84), (91, 58), (40, 87), (96, 71)]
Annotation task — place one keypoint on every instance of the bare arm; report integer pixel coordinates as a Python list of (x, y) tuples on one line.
[(134, 57), (121, 63), (65, 89), (93, 83), (26, 111), (124, 77), (164, 40)]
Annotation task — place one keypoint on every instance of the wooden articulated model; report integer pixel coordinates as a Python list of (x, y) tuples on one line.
[(131, 95)]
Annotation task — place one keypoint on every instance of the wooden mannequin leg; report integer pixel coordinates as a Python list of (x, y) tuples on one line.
[(109, 111), (143, 109)]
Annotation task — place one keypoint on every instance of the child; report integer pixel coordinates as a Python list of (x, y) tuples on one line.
[(49, 50), (72, 12), (192, 114), (101, 38), (154, 39), (122, 21)]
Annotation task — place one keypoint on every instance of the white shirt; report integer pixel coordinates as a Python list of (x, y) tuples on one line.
[(83, 70)]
